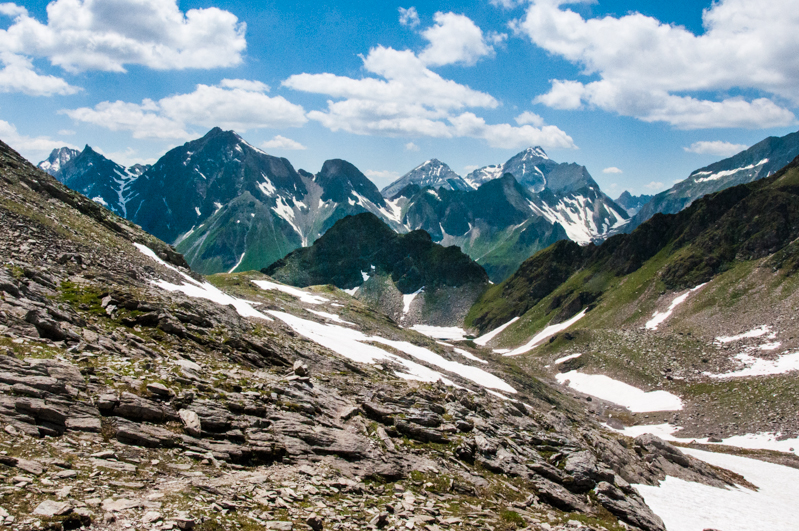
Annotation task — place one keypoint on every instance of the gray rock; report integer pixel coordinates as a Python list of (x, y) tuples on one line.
[(630, 507), (559, 497), (159, 389), (280, 525), (51, 508), (191, 422)]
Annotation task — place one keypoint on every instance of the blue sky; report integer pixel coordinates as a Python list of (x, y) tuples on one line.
[(642, 93)]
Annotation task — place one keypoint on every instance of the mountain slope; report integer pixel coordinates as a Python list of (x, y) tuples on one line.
[(759, 161), (363, 254), (180, 389), (432, 174), (700, 304)]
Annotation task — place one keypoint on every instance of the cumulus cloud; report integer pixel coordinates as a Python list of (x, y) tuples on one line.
[(233, 104), (529, 118), (107, 35), (18, 75), (506, 4), (612, 169), (281, 142), (410, 146), (35, 149), (406, 98), (645, 67), (454, 39), (409, 17), (715, 147), (654, 185)]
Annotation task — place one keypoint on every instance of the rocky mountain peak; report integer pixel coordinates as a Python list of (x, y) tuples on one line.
[(431, 173), (341, 182), (57, 159)]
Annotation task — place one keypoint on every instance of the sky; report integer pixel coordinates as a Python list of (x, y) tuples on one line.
[(641, 93)]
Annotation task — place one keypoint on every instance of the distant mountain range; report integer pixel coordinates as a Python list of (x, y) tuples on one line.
[(229, 206), (632, 203), (761, 160)]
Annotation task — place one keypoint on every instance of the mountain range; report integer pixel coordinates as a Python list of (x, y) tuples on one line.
[(228, 206), (759, 161)]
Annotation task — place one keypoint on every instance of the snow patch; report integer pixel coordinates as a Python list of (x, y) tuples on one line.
[(564, 359), (658, 317), (749, 441), (238, 263), (727, 173), (201, 290), (330, 317), (304, 296), (354, 345), (545, 334), (755, 332), (408, 299), (100, 201), (197, 209), (485, 338), (452, 333), (468, 355), (352, 291), (759, 367), (620, 393)]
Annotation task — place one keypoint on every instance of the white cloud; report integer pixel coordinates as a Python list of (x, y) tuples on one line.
[(412, 100), (645, 67), (35, 149), (612, 169), (506, 4), (409, 17), (281, 142), (654, 185), (18, 75), (715, 147), (66, 132), (454, 39), (241, 106), (529, 118), (107, 35), (508, 136), (12, 10), (410, 146)]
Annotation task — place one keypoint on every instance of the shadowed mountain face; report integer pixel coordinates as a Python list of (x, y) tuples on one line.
[(759, 161), (357, 245), (405, 276)]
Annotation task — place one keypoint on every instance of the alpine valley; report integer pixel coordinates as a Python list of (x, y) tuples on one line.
[(223, 341)]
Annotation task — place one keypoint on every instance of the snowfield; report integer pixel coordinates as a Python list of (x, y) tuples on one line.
[(304, 296), (687, 506), (620, 393), (355, 345)]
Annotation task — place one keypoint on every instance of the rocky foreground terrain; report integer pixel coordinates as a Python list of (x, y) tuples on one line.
[(127, 404)]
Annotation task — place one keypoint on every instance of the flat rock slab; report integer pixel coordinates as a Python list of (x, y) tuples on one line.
[(31, 467), (122, 504), (50, 508)]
